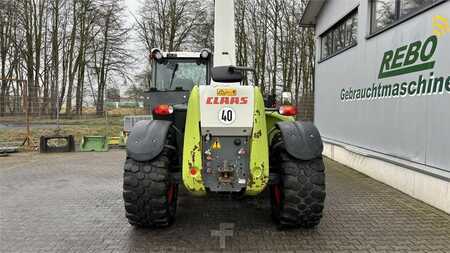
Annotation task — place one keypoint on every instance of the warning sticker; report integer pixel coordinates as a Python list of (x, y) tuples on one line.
[(226, 92)]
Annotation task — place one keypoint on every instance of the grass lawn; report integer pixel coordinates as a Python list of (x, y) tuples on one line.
[(88, 124), (18, 134), (76, 127)]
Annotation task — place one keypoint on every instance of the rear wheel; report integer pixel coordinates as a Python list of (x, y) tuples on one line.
[(150, 196), (297, 199)]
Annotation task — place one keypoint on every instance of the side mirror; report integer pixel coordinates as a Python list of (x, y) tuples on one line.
[(286, 98)]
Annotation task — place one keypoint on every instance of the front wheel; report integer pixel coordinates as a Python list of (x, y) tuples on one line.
[(297, 200), (150, 196)]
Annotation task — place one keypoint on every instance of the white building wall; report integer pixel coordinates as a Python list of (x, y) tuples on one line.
[(429, 189), (413, 132)]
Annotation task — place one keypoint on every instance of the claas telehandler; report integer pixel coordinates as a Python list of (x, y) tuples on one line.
[(214, 135)]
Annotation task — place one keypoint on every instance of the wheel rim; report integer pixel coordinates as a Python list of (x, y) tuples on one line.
[(170, 193), (277, 194)]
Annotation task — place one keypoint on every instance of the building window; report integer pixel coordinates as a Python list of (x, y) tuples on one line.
[(386, 12), (340, 36)]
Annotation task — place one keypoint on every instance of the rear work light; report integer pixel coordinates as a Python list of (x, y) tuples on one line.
[(205, 53), (156, 54), (163, 110), (288, 110)]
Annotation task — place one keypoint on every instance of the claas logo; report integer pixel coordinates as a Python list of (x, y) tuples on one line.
[(227, 100)]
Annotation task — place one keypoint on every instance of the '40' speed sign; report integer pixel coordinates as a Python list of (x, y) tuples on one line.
[(227, 115)]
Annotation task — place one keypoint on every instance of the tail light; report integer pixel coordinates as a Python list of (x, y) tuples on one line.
[(288, 110), (163, 110)]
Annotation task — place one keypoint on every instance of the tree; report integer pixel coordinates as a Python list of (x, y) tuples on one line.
[(8, 56), (172, 24), (66, 49), (109, 56)]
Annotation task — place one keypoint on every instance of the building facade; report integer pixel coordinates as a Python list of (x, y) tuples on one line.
[(382, 98)]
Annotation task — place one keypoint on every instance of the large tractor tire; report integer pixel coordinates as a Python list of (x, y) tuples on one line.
[(150, 196), (297, 199)]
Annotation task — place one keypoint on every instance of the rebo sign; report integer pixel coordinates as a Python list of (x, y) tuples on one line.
[(406, 59)]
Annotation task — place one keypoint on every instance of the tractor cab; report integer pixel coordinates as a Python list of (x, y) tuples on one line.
[(173, 76)]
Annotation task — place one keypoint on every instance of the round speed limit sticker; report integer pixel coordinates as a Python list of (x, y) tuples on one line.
[(227, 115)]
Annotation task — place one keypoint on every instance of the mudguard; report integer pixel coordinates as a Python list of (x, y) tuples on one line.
[(147, 139), (301, 139)]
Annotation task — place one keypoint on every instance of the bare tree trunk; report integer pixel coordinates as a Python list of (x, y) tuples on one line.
[(71, 68), (275, 47), (38, 15), (45, 83), (55, 57)]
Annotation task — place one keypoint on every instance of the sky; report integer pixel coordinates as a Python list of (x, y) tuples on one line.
[(132, 5), (132, 9), (134, 46)]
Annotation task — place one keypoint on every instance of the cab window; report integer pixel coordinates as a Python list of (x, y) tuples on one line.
[(180, 74)]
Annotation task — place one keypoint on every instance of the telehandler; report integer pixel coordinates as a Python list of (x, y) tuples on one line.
[(214, 135)]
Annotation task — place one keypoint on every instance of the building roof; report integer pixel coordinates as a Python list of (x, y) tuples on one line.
[(312, 10)]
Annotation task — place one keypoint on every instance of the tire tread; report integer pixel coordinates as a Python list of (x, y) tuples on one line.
[(303, 190), (145, 192)]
